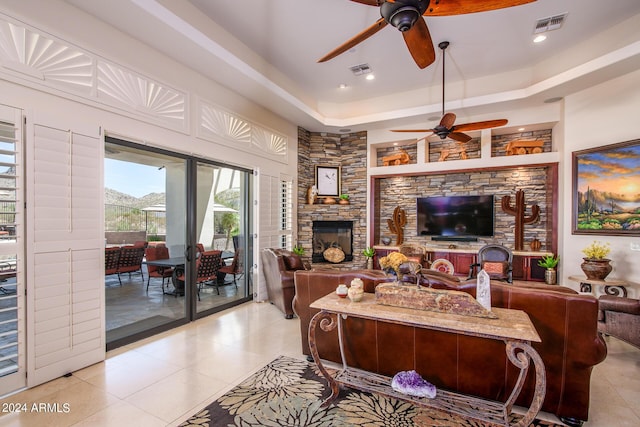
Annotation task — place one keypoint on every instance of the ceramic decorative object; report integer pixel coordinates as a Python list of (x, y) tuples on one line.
[(596, 269), (535, 245), (356, 291), (369, 263), (386, 240), (342, 290), (330, 201)]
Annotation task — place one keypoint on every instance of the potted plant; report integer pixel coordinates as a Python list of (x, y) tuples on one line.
[(368, 254), (596, 264), (549, 262), (344, 199), (298, 250)]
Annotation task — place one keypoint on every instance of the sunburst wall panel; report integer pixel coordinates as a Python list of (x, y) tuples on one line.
[(39, 55), (220, 126), (140, 93)]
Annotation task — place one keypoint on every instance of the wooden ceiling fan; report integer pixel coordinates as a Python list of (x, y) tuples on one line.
[(446, 127), (406, 16)]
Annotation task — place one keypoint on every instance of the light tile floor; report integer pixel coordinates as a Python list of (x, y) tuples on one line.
[(163, 380)]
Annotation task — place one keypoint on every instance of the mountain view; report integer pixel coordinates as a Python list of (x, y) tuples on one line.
[(113, 197)]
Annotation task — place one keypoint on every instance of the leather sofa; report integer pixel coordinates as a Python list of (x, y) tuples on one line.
[(565, 321), (620, 318), (278, 266)]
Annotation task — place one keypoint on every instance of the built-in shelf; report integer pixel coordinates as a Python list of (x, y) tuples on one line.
[(460, 165)]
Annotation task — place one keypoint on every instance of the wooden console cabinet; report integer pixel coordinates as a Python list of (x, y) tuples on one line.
[(525, 264)]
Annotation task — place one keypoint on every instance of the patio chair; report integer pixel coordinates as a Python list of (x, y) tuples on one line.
[(153, 253), (207, 267), (111, 259), (131, 261), (235, 268)]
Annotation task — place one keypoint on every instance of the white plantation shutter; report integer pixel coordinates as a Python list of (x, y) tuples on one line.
[(66, 275), (275, 218)]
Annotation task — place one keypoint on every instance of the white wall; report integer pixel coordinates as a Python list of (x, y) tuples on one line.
[(602, 115)]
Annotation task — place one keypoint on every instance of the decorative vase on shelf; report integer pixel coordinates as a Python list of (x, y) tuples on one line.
[(596, 268), (369, 263), (550, 276), (535, 245)]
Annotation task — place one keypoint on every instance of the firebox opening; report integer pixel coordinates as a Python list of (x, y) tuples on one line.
[(332, 234)]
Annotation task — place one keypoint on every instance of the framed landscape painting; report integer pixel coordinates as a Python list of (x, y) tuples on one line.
[(606, 190)]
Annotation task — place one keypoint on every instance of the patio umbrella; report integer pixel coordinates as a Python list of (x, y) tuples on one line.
[(155, 208), (217, 207)]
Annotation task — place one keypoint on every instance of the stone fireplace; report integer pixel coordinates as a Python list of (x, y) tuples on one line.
[(332, 234)]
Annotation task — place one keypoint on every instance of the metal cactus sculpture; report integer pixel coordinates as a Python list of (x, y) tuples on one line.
[(518, 211), (396, 224)]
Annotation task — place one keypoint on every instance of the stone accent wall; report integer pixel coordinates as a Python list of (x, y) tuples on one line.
[(403, 191), (499, 142), (453, 150), (412, 151), (349, 151)]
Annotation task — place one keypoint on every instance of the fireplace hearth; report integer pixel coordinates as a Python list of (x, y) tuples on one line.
[(332, 234)]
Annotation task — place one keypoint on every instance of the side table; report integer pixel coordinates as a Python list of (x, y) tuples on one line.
[(614, 287)]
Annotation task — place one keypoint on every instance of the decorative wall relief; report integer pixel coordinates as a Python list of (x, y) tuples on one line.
[(397, 223), (518, 211)]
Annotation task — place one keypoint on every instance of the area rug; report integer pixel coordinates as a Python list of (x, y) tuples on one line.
[(289, 392)]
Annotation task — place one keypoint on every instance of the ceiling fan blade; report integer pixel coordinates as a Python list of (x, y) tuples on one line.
[(412, 130), (362, 36), (369, 2), (460, 7), (479, 125), (460, 137), (448, 120), (420, 45)]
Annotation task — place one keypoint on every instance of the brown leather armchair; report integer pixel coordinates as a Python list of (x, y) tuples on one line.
[(279, 266), (620, 318)]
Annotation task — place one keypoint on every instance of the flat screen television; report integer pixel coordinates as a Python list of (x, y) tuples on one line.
[(455, 216)]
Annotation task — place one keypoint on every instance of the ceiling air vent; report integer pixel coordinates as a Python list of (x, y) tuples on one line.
[(549, 24), (361, 69)]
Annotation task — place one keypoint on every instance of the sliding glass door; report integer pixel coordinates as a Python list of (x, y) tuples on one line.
[(145, 210), (221, 227), (178, 212)]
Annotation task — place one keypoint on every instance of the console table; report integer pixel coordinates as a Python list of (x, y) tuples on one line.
[(615, 287), (512, 326)]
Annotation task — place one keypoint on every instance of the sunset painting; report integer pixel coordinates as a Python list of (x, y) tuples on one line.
[(607, 189)]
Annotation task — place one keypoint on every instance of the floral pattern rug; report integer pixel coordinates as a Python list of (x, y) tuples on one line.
[(289, 392)]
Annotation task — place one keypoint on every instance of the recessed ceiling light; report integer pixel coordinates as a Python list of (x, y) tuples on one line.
[(520, 129), (539, 38), (370, 77), (395, 143), (342, 86)]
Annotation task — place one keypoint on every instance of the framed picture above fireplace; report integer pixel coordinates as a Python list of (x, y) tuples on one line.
[(328, 181)]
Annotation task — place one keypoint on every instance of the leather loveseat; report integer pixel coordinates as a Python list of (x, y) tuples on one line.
[(278, 266), (565, 321)]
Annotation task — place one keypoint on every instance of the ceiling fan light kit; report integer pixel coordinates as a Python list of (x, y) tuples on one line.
[(403, 15)]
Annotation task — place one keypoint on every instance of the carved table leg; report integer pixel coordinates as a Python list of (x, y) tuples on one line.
[(585, 287), (521, 360), (615, 290), (327, 323)]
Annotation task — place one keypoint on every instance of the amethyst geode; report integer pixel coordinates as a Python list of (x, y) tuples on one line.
[(411, 383)]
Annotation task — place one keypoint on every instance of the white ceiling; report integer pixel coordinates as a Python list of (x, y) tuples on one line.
[(266, 50)]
